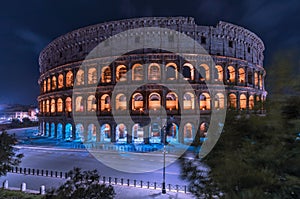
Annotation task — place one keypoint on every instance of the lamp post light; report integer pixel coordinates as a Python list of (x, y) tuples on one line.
[(163, 191)]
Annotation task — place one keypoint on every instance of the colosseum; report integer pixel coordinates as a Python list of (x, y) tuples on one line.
[(237, 56)]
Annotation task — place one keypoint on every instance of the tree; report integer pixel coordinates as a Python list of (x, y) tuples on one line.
[(8, 156), (82, 185), (255, 157)]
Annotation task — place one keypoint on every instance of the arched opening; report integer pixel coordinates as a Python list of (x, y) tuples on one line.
[(188, 101), (154, 130), (79, 134), (154, 101), (91, 103), (204, 72), (121, 73), (52, 106), (44, 86), (188, 71), (68, 104), (219, 73), (49, 84), (171, 101), (105, 133), (69, 79), (105, 102), (68, 132), (92, 133), (230, 74), (79, 105), (52, 130), (172, 132), (47, 129), (92, 76), (138, 133), (137, 72), (59, 105), (154, 72), (106, 75), (219, 101), (242, 75), (188, 133), (204, 100), (171, 71), (137, 101), (260, 81), (255, 79), (53, 83), (251, 102), (121, 102), (232, 101), (121, 133), (243, 102), (60, 81), (203, 129), (47, 106), (59, 131), (80, 77)]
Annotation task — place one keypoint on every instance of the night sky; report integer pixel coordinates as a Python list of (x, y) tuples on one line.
[(28, 26)]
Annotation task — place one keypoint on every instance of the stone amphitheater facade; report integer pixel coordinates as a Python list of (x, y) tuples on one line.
[(237, 56)]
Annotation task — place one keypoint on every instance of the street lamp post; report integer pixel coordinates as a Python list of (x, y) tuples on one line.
[(163, 191)]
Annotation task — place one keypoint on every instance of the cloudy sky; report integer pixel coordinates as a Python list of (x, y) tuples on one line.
[(28, 26)]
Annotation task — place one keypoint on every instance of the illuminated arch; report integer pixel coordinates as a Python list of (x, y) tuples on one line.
[(230, 74), (172, 133), (69, 79), (188, 71), (242, 75), (106, 75), (91, 103), (92, 76), (255, 79), (59, 131), (204, 101), (53, 86), (92, 133), (121, 133), (137, 133), (121, 102), (203, 129), (137, 101), (188, 133), (49, 84), (47, 106), (80, 77), (105, 103), (219, 101), (60, 81), (171, 71), (59, 105), (137, 72), (232, 101), (251, 102), (105, 133), (243, 102), (154, 72), (79, 105), (171, 101), (68, 104), (154, 101), (44, 86), (79, 132), (204, 72), (219, 73), (68, 132), (121, 73), (52, 130), (154, 130), (188, 101)]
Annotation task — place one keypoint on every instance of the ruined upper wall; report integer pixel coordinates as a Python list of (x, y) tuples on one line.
[(224, 39)]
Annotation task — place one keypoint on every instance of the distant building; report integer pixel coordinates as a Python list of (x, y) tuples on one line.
[(238, 57)]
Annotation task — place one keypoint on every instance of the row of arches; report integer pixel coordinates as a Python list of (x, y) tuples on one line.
[(154, 72), (154, 101), (122, 133)]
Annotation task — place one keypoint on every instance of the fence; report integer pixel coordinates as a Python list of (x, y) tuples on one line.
[(103, 179)]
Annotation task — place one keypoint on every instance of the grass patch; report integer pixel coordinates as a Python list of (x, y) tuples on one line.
[(10, 194)]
